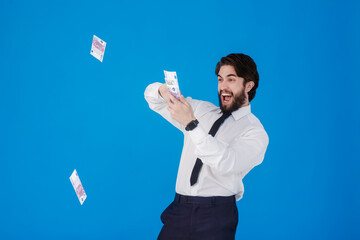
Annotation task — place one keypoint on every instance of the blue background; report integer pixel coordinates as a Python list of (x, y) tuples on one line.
[(61, 109)]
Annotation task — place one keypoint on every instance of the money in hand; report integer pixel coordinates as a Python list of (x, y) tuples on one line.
[(80, 192), (172, 84), (98, 48)]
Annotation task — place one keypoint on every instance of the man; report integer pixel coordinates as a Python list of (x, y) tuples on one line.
[(221, 145)]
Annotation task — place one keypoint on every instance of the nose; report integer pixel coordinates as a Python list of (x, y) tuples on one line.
[(223, 85)]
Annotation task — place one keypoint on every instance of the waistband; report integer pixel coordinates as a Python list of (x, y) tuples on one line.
[(204, 200)]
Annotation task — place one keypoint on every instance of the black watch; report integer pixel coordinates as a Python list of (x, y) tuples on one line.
[(191, 125)]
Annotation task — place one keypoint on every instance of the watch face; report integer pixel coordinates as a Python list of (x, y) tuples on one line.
[(191, 125)]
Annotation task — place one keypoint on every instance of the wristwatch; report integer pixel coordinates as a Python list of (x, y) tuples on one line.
[(191, 125)]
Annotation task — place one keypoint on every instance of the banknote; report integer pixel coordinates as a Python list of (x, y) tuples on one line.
[(98, 48), (172, 84), (78, 187)]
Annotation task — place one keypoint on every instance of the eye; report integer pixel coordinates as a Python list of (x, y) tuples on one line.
[(220, 79)]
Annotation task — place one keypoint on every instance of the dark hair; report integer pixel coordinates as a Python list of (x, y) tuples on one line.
[(244, 66)]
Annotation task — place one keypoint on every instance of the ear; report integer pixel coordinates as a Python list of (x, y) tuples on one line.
[(249, 86)]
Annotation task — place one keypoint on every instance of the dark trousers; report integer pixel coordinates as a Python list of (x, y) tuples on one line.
[(198, 218)]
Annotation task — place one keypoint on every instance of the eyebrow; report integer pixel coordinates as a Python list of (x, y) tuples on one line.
[(229, 75)]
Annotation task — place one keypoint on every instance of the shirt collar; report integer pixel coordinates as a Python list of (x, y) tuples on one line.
[(241, 112)]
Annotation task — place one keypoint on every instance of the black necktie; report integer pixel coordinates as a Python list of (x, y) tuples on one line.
[(198, 164)]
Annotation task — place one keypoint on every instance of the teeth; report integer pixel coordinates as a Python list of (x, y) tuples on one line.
[(226, 94)]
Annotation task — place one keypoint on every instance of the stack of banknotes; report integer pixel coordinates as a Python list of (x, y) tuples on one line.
[(172, 84)]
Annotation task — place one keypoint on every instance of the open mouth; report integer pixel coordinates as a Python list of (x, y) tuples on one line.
[(226, 97)]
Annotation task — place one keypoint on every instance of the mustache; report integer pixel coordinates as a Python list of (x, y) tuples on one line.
[(224, 91)]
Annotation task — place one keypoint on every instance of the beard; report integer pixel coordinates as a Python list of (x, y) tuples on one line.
[(238, 100)]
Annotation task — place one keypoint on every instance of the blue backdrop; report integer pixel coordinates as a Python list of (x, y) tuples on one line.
[(61, 109)]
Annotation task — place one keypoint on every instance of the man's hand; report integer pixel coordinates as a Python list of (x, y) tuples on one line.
[(164, 92), (181, 111)]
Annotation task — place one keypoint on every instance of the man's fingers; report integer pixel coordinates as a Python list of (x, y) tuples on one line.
[(183, 100), (169, 98), (172, 112), (168, 101), (173, 99)]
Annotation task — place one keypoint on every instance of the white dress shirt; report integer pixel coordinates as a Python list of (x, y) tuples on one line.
[(238, 146)]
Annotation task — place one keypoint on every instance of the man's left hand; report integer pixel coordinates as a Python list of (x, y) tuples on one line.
[(181, 111)]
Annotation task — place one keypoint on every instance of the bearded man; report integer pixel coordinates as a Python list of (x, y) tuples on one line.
[(221, 145)]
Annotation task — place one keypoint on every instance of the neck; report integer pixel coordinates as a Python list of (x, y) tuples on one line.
[(245, 104)]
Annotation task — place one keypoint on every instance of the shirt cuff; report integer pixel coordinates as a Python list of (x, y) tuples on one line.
[(198, 135)]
